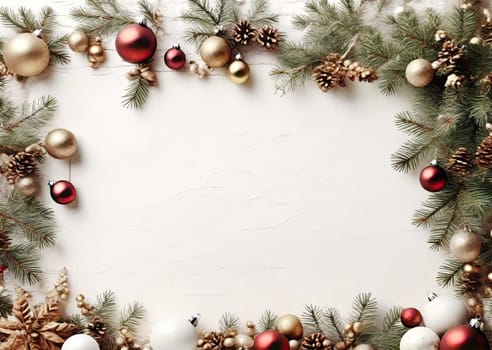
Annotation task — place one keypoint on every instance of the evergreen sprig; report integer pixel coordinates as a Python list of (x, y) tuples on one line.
[(267, 320), (24, 20), (136, 93), (228, 321), (132, 316), (5, 303), (390, 335)]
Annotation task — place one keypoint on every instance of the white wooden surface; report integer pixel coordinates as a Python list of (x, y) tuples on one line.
[(217, 197)]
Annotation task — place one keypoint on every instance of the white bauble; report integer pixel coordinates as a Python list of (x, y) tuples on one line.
[(173, 334), (443, 313), (420, 338), (80, 342)]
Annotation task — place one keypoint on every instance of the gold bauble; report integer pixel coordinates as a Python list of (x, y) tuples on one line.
[(26, 55), (289, 326), (78, 41), (476, 41), (294, 344), (60, 143), (465, 246), (238, 71), (244, 341), (419, 72), (27, 186), (95, 54), (215, 51)]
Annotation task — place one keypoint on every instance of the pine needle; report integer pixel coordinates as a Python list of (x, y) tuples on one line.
[(132, 316), (5, 303), (228, 321), (449, 273), (312, 319), (333, 324), (267, 321), (364, 309), (136, 93), (106, 305), (22, 260)]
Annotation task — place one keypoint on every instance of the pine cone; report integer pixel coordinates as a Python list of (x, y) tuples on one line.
[(243, 32), (486, 31), (210, 341), (357, 71), (4, 240), (96, 329), (450, 56), (316, 341), (330, 73), (22, 164), (460, 162), (483, 156), (454, 81), (471, 281), (268, 37)]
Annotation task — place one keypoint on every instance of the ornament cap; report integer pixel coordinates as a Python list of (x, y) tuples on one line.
[(51, 183), (194, 319), (434, 162), (218, 30), (38, 33), (488, 126), (476, 323), (431, 296), (143, 22), (176, 46), (238, 56)]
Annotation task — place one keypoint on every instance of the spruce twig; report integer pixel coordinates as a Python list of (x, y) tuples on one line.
[(136, 93), (312, 319), (228, 321), (132, 316), (106, 305), (267, 320), (5, 304), (333, 324)]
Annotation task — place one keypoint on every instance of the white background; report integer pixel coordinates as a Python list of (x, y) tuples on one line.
[(217, 197)]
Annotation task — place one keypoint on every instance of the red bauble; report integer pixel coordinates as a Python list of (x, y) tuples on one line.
[(411, 317), (433, 178), (62, 191), (464, 337), (175, 58), (271, 340), (136, 43)]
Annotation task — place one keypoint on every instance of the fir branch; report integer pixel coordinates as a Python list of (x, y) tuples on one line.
[(312, 319), (449, 273), (392, 332), (106, 305), (407, 123), (24, 20), (462, 25), (444, 227), (228, 321), (136, 93), (364, 309), (333, 324), (22, 261), (150, 11), (258, 14), (101, 17), (33, 116), (132, 316), (78, 320), (435, 206), (267, 321), (58, 53), (411, 154), (5, 303)]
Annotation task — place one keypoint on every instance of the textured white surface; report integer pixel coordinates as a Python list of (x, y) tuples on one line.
[(217, 197)]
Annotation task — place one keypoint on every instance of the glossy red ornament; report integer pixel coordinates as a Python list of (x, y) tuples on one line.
[(271, 340), (433, 178), (464, 337), (136, 43), (175, 58), (62, 191), (411, 317)]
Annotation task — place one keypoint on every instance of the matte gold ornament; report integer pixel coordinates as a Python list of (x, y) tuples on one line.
[(419, 72), (238, 71), (244, 341), (26, 54), (215, 51), (27, 186), (465, 246), (289, 326), (60, 143), (95, 53), (294, 344), (78, 41)]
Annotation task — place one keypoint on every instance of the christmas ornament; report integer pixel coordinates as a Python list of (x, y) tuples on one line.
[(238, 70), (410, 317), (242, 32), (433, 178), (26, 54), (289, 326), (28, 186), (60, 143), (62, 191), (419, 72), (471, 280), (175, 334), (215, 51), (78, 41), (34, 327), (271, 340), (268, 37), (294, 344), (363, 347), (95, 53), (20, 165), (316, 341), (465, 246), (80, 342), (136, 43), (483, 156), (461, 162), (243, 341), (476, 41), (465, 337), (420, 338), (443, 313), (175, 58)]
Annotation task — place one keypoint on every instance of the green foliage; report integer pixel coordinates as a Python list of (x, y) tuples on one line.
[(228, 321), (132, 316), (267, 321), (5, 304), (390, 335), (449, 273), (24, 20), (364, 309), (136, 93)]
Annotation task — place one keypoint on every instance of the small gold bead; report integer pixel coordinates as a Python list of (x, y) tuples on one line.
[(358, 327), (348, 327), (80, 297), (250, 324), (229, 342), (326, 343), (340, 346), (350, 335), (120, 341)]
